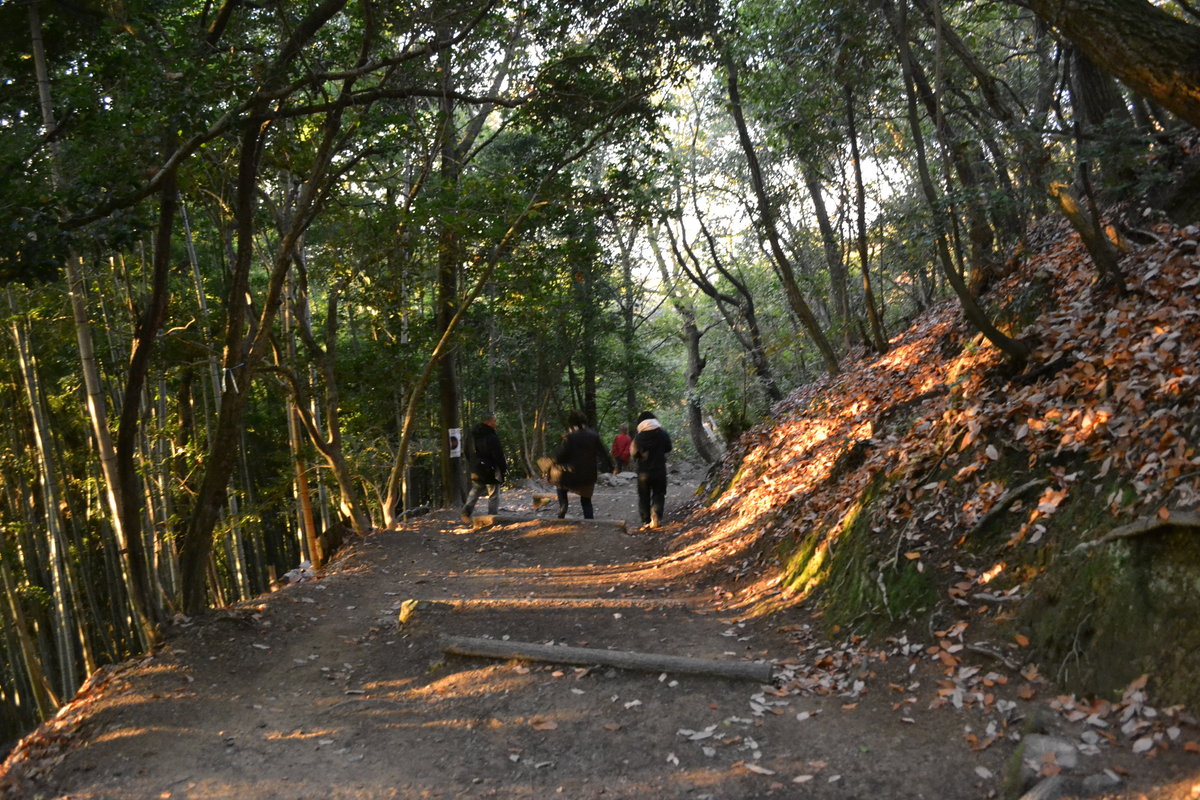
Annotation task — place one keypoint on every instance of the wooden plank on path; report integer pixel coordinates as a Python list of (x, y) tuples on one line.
[(618, 524), (625, 659), (651, 603), (488, 520)]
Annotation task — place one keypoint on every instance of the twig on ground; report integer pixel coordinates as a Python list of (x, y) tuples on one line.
[(990, 653), (1007, 500), (1159, 484), (988, 597)]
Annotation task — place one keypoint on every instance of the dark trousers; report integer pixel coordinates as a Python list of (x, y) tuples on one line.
[(652, 494), (584, 502), (491, 490)]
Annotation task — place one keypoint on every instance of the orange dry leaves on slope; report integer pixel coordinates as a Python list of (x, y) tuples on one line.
[(1124, 399)]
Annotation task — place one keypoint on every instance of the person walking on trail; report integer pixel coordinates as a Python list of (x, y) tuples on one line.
[(580, 457), (620, 449), (487, 467), (650, 446)]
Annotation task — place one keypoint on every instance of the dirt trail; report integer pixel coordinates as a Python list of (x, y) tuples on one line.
[(317, 691)]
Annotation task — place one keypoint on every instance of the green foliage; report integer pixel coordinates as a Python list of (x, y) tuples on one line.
[(573, 131)]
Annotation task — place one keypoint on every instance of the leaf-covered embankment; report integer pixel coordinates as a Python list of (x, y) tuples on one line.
[(932, 484)]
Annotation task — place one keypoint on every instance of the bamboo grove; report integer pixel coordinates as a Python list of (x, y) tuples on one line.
[(260, 258)]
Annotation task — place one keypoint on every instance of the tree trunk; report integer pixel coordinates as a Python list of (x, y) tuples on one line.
[(97, 412), (744, 303), (957, 150), (878, 339), (585, 298), (35, 671), (129, 425), (651, 662), (244, 352), (58, 550), (1104, 129), (1016, 350), (989, 87), (196, 542), (833, 252), (329, 443), (1088, 227), (1145, 47), (696, 361), (767, 214), (751, 338), (630, 291), (308, 528)]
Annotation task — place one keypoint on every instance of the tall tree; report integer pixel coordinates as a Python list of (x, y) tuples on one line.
[(691, 335), (121, 496), (1016, 350), (767, 215), (860, 201)]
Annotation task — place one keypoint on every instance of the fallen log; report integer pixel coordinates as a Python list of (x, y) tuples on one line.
[(652, 603), (624, 659), (619, 524), (488, 520)]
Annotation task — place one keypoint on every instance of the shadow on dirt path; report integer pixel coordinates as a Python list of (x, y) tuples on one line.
[(318, 690)]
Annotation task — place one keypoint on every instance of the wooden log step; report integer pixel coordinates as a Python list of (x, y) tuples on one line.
[(488, 520), (624, 659), (557, 602)]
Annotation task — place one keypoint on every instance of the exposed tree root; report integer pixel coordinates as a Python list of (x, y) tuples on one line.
[(1174, 519)]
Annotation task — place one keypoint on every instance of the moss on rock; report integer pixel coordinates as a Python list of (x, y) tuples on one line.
[(1129, 608), (853, 568)]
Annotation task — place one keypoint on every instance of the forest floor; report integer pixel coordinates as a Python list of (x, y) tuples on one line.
[(318, 691)]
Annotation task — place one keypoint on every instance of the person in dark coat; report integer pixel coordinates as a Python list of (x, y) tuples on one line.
[(580, 456), (649, 451), (487, 467)]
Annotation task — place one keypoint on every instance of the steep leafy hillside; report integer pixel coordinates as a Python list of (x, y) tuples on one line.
[(1054, 509)]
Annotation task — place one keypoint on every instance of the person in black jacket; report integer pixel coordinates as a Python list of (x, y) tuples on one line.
[(580, 456), (487, 467), (649, 451)]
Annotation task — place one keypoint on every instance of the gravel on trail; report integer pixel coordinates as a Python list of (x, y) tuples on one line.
[(320, 690)]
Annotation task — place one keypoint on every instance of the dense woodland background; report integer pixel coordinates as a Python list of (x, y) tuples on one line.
[(260, 257)]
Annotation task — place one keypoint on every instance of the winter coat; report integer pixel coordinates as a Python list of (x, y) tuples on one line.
[(488, 465), (579, 455), (620, 447), (650, 447)]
